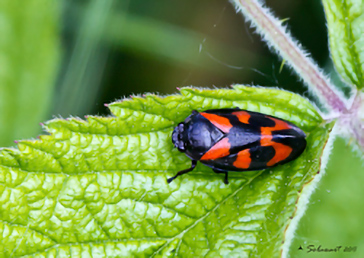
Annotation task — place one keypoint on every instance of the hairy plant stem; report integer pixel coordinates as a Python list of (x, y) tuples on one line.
[(352, 122), (278, 38)]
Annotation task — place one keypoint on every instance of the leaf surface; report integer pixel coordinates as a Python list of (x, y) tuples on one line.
[(99, 186), (345, 20)]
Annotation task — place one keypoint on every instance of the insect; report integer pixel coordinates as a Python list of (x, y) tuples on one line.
[(237, 140)]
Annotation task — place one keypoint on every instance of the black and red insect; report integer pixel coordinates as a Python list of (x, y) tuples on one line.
[(237, 140)]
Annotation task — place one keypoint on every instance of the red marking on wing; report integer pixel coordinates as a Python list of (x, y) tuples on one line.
[(266, 136), (243, 116), (243, 159), (220, 122), (219, 150), (282, 151), (280, 125)]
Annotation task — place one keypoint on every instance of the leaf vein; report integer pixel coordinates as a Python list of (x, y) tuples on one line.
[(209, 212)]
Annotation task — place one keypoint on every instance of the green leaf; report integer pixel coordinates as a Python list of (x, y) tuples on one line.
[(99, 186), (335, 214), (29, 54), (346, 32)]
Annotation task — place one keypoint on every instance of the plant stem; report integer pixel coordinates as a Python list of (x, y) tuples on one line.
[(278, 38)]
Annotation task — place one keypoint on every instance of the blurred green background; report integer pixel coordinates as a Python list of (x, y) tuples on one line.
[(68, 58)]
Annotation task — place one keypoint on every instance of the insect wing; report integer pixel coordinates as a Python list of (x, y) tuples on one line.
[(254, 141)]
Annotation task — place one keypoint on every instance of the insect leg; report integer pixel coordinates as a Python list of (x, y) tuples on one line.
[(193, 165), (226, 180)]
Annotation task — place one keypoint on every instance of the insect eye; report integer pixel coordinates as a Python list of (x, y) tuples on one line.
[(180, 127), (181, 147)]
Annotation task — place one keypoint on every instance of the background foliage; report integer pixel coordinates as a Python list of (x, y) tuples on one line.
[(29, 51), (117, 48)]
